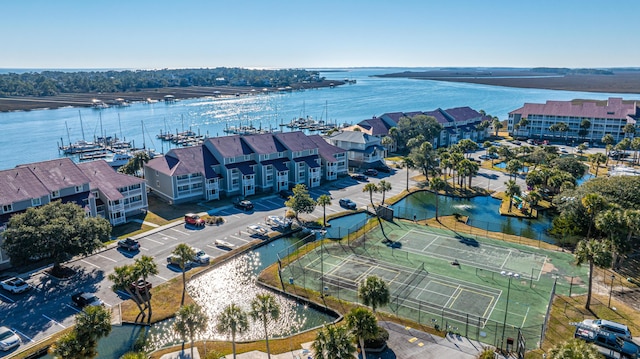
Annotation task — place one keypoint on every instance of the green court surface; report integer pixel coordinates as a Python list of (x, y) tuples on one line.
[(445, 279)]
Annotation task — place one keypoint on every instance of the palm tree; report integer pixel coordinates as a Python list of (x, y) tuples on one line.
[(437, 185), (511, 190), (190, 320), (135, 164), (608, 140), (265, 309), (596, 159), (574, 349), (232, 320), (363, 325), (122, 277), (497, 125), (513, 167), (374, 292), (594, 252), (93, 323), (635, 146), (333, 342), (407, 162), (371, 188), (184, 255), (383, 187), (593, 204), (143, 267), (324, 201)]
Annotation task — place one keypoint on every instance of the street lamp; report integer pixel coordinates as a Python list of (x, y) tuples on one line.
[(611, 289), (506, 309)]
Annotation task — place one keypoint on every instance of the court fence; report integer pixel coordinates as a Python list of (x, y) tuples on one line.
[(305, 268)]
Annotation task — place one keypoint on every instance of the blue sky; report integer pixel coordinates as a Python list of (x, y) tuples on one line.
[(321, 33)]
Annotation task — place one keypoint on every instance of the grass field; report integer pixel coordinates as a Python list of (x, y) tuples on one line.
[(447, 280)]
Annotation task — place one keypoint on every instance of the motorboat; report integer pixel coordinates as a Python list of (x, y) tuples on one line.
[(223, 244), (257, 230)]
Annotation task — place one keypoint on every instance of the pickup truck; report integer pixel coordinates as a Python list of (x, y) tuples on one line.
[(129, 244), (83, 299)]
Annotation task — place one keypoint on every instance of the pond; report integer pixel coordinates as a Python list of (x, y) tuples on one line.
[(482, 212), (344, 225), (232, 282), (503, 165)]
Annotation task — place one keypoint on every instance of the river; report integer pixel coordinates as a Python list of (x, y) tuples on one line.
[(31, 136)]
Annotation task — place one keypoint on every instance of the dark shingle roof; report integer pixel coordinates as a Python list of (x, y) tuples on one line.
[(325, 149), (230, 146), (58, 174), (264, 143), (102, 176), (180, 161), (20, 184), (463, 113), (295, 141), (439, 116), (393, 116), (375, 126)]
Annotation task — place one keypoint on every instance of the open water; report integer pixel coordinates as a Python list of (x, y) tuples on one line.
[(33, 136)]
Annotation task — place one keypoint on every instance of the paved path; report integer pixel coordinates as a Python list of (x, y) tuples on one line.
[(404, 343)]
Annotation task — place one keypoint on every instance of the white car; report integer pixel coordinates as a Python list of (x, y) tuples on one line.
[(15, 285), (223, 244), (201, 256), (8, 339)]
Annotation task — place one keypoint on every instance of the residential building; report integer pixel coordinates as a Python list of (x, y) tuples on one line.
[(332, 158), (242, 165), (93, 185), (605, 118), (457, 123), (363, 150), (377, 127), (114, 196)]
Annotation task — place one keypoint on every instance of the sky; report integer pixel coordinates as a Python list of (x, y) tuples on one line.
[(142, 34)]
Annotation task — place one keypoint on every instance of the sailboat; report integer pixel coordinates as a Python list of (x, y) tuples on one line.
[(79, 146)]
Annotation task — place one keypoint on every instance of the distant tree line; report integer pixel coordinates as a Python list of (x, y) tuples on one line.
[(51, 83), (566, 71)]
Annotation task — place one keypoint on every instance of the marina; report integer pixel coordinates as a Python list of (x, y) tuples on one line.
[(210, 116)]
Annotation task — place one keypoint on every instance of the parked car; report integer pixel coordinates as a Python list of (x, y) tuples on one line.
[(615, 327), (484, 157), (347, 203), (371, 172), (193, 219), (202, 257), (129, 244), (140, 285), (285, 194), (606, 339), (8, 339), (175, 260), (244, 205), (15, 285), (84, 299), (223, 244), (359, 177)]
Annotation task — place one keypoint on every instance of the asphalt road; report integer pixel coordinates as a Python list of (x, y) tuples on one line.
[(48, 309)]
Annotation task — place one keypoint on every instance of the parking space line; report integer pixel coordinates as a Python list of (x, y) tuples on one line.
[(111, 259), (21, 333), (144, 249), (7, 298), (165, 236), (273, 203), (89, 263), (261, 205), (238, 238), (179, 231), (72, 307), (147, 238), (163, 278), (54, 321)]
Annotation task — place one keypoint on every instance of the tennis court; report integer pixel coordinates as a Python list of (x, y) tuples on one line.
[(468, 251), (484, 289)]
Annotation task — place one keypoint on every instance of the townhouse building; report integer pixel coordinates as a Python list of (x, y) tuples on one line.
[(95, 186), (607, 117), (242, 165)]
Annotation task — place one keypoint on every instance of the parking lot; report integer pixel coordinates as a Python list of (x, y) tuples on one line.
[(47, 308)]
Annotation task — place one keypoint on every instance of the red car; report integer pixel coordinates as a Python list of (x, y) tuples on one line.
[(193, 219)]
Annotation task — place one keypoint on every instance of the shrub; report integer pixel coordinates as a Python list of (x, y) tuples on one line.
[(487, 353), (379, 341)]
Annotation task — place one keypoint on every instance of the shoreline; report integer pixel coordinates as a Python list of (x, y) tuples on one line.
[(29, 103), (622, 82)]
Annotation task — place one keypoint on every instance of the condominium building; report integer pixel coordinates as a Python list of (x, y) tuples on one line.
[(603, 117)]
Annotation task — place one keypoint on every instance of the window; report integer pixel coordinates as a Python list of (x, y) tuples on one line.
[(157, 173), (269, 178), (196, 186), (135, 186), (182, 177), (247, 157), (79, 189), (36, 202), (7, 208), (183, 188), (55, 194), (231, 160), (157, 183)]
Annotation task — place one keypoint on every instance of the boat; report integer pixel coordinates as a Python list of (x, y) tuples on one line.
[(277, 221), (257, 230), (81, 146), (90, 156), (223, 244), (119, 159)]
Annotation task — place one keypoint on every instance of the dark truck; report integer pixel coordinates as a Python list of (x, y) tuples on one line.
[(84, 299)]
